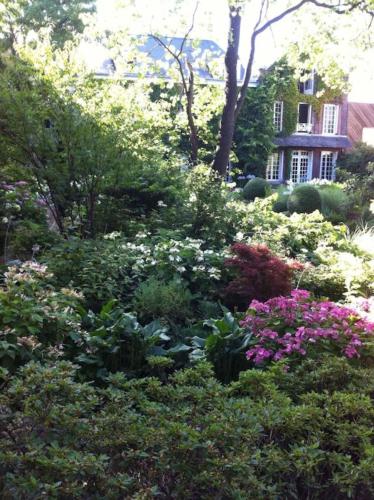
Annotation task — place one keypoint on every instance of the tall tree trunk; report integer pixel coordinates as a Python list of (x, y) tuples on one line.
[(194, 138), (227, 126)]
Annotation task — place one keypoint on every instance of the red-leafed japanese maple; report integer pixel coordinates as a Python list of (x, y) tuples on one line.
[(260, 275)]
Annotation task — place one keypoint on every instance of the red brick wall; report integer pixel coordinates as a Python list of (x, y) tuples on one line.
[(342, 117)]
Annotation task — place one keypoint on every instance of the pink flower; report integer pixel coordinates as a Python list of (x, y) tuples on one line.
[(300, 294), (298, 325)]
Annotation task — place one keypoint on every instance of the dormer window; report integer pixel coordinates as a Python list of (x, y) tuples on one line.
[(304, 121), (330, 119), (278, 116), (307, 84)]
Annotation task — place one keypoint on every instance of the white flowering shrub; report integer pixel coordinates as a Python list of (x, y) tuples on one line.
[(187, 258), (36, 319)]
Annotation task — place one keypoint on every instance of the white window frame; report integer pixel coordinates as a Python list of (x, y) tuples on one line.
[(278, 114), (302, 128), (321, 166), (299, 154), (312, 79), (270, 166), (325, 122)]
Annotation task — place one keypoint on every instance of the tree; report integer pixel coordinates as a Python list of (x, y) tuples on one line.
[(62, 19), (234, 97), (188, 83), (77, 137)]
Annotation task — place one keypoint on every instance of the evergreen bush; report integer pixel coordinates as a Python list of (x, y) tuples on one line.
[(256, 188), (335, 203), (304, 199), (280, 204)]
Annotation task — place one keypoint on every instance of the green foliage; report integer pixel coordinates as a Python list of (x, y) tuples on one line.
[(304, 199), (335, 203), (35, 319), (356, 170), (114, 340), (63, 22), (256, 188), (103, 269), (280, 204), (158, 299), (90, 147), (254, 129), (23, 224), (224, 346), (290, 435)]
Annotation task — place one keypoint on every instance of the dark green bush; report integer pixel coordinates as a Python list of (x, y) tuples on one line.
[(256, 188), (269, 435), (280, 204), (335, 203), (304, 199)]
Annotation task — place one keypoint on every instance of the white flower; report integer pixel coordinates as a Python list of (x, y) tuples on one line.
[(160, 203), (181, 269), (239, 236), (5, 220), (112, 236)]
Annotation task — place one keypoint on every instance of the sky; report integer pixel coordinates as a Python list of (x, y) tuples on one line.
[(211, 21)]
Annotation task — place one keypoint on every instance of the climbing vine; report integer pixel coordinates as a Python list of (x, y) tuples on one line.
[(254, 135), (287, 90)]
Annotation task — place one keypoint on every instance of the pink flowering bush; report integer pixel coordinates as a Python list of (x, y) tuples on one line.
[(298, 325)]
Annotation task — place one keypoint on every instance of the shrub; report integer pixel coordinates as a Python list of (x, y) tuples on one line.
[(114, 340), (256, 188), (335, 203), (270, 434), (224, 346), (290, 327), (363, 238), (280, 204), (304, 199), (260, 274), (159, 299), (36, 319)]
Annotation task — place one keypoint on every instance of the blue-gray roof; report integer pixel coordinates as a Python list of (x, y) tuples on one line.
[(205, 56), (313, 141)]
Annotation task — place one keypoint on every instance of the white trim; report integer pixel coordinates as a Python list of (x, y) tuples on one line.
[(280, 154), (334, 159), (326, 107), (297, 154), (302, 128), (277, 130)]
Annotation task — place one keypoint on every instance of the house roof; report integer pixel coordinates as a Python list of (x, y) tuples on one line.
[(360, 115), (313, 141), (150, 59)]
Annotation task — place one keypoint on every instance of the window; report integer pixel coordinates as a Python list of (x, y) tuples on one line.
[(274, 166), (301, 166), (307, 82), (330, 119), (327, 168), (304, 121), (278, 116)]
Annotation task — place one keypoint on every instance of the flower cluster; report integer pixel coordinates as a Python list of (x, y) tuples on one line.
[(284, 326), (187, 258)]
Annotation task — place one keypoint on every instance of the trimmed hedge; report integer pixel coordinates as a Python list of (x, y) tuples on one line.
[(256, 188), (304, 199)]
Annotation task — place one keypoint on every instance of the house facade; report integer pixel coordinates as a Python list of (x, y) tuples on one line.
[(312, 150)]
